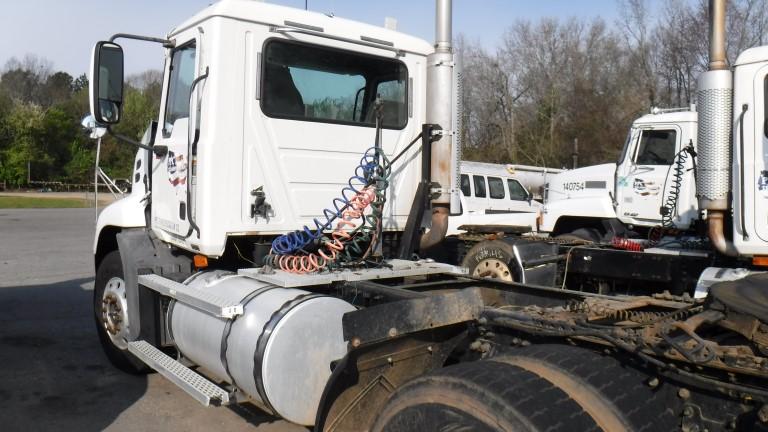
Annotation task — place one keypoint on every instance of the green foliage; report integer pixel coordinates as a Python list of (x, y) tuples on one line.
[(24, 126), (40, 134)]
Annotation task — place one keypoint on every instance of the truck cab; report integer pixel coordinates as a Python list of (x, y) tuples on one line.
[(266, 111), (653, 174)]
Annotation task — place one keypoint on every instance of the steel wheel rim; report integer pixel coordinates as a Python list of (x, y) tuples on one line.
[(114, 312), (492, 268)]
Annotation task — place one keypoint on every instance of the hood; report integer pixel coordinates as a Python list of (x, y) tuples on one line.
[(596, 180)]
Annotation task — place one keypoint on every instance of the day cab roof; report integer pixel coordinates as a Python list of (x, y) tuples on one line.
[(752, 55), (274, 15), (667, 117)]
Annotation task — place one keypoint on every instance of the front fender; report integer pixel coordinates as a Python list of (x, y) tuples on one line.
[(125, 213)]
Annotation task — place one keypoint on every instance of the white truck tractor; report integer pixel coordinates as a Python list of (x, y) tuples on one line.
[(651, 185), (300, 165)]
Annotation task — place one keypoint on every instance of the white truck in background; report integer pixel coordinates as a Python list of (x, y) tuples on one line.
[(499, 197), (654, 175), (204, 273)]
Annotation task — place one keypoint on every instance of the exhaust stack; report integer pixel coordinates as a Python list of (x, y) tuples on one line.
[(440, 112), (714, 101)]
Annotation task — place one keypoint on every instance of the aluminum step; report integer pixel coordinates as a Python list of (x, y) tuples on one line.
[(197, 298), (188, 380)]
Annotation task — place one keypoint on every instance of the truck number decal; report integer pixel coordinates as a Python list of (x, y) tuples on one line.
[(573, 186)]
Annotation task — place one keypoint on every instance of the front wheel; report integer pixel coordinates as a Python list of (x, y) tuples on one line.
[(110, 307)]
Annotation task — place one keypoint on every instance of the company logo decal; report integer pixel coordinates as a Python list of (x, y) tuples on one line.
[(762, 183), (177, 173), (645, 188)]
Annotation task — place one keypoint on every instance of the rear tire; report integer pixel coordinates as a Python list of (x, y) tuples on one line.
[(614, 393), (110, 271), (481, 396)]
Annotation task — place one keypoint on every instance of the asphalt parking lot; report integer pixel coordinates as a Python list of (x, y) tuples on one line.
[(54, 376)]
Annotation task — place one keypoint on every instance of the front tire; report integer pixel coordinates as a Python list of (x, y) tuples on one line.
[(110, 313)]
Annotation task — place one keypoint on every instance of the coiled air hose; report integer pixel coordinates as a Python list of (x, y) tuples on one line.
[(669, 208), (357, 215)]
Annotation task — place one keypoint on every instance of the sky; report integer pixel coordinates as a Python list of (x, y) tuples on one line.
[(64, 31)]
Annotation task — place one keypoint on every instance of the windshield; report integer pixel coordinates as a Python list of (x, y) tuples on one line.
[(624, 150)]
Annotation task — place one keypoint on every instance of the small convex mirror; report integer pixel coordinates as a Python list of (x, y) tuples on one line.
[(91, 128), (107, 82)]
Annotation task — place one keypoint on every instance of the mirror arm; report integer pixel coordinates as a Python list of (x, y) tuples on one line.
[(166, 43), (157, 149)]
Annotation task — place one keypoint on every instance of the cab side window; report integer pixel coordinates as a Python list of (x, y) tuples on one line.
[(479, 182), (321, 84), (516, 191), (765, 107), (465, 185), (182, 73), (496, 188), (657, 147)]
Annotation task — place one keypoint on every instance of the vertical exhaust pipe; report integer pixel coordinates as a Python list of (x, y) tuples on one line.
[(440, 65), (714, 100), (717, 59)]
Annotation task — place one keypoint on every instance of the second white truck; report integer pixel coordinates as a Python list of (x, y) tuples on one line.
[(651, 185)]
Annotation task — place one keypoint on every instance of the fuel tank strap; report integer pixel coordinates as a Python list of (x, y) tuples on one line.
[(261, 345), (228, 329)]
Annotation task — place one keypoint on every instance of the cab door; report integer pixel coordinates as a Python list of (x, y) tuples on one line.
[(754, 193), (171, 172), (641, 179)]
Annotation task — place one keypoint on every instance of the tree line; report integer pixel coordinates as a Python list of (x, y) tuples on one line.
[(554, 81), (546, 84), (40, 135)]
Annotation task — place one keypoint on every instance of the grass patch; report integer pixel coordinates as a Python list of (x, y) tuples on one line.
[(34, 202)]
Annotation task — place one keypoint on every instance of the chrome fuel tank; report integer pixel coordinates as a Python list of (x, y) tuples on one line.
[(278, 352)]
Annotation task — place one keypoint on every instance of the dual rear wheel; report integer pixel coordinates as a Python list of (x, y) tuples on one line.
[(539, 388)]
